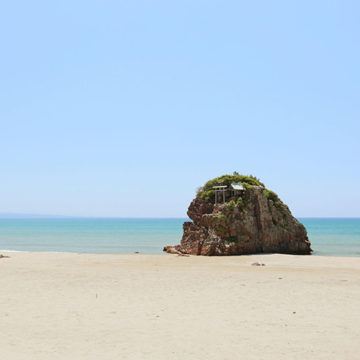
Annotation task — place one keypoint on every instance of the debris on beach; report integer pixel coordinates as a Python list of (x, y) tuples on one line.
[(3, 256), (173, 251), (257, 264)]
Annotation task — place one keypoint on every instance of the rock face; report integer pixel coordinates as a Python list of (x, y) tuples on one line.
[(257, 223)]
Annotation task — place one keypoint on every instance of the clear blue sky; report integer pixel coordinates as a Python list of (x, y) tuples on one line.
[(123, 108)]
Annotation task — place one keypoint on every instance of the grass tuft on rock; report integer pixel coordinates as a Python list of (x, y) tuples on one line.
[(273, 197), (207, 192)]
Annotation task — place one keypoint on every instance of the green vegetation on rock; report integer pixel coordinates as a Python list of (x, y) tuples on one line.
[(220, 216), (240, 204), (232, 239), (207, 192), (230, 205), (273, 197)]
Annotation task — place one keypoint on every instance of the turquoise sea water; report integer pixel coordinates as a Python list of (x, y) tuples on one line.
[(337, 237)]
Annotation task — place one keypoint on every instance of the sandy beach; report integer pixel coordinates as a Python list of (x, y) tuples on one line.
[(80, 306)]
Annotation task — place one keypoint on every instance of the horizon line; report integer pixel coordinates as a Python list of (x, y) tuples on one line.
[(51, 216)]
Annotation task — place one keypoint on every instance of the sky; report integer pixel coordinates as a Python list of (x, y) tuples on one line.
[(124, 108)]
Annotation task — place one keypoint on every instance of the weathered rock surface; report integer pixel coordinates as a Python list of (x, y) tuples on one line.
[(255, 225)]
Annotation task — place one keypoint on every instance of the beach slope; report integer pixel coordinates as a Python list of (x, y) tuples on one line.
[(80, 306)]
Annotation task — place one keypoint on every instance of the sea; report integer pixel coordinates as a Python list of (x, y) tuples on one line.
[(328, 236)]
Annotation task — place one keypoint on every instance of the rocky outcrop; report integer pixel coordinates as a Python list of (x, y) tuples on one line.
[(257, 223)]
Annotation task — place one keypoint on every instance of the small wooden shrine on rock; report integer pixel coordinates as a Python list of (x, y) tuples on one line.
[(222, 192)]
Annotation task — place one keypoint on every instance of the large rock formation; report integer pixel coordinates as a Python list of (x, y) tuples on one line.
[(250, 221)]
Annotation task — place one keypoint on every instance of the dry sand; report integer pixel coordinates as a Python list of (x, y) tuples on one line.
[(71, 306)]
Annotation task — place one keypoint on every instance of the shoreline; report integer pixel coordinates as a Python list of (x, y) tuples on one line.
[(314, 254), (271, 259)]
